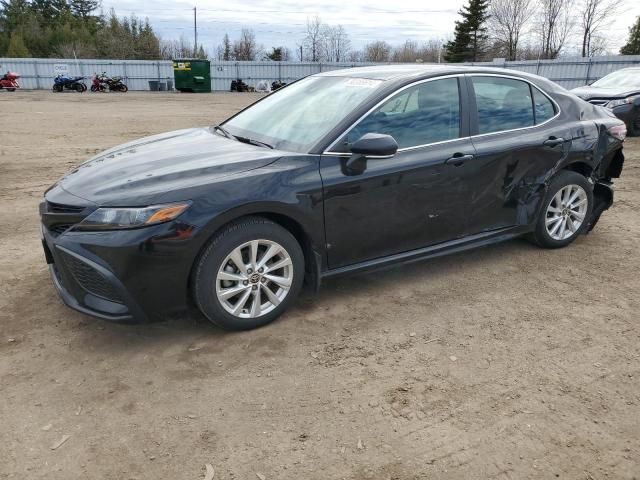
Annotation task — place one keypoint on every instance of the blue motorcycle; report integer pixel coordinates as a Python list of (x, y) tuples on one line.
[(64, 82)]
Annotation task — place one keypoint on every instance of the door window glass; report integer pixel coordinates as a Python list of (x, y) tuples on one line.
[(503, 104), (544, 109), (426, 113)]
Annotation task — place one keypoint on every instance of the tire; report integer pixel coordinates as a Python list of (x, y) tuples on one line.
[(239, 238), (57, 88), (78, 88), (124, 88), (549, 230), (94, 88)]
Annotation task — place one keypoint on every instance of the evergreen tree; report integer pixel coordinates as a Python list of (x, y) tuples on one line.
[(226, 47), (470, 41), (17, 48), (632, 47), (68, 28), (83, 8)]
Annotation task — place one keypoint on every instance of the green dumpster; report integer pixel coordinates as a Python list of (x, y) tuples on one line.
[(192, 75)]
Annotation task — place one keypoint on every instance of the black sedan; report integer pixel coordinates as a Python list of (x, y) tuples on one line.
[(339, 172), (619, 92)]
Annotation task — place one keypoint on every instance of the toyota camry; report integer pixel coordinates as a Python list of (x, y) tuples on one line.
[(340, 172)]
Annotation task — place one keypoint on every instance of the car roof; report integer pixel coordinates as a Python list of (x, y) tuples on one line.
[(402, 71), (397, 75)]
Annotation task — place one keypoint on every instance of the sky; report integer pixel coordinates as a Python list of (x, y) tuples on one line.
[(282, 22)]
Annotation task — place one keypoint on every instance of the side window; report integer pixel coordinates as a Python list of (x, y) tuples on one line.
[(503, 104), (543, 108), (426, 113)]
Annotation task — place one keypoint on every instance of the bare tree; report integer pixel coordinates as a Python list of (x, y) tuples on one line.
[(431, 51), (313, 38), (556, 24), (246, 48), (594, 16), (507, 21), (335, 44), (356, 56), (406, 53), (181, 48), (378, 51)]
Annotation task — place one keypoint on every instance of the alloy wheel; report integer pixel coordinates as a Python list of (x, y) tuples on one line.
[(566, 212), (254, 278)]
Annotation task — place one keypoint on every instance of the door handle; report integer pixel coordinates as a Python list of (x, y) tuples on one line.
[(553, 141), (458, 159)]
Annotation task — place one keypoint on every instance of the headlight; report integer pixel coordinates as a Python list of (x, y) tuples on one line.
[(622, 101), (120, 218)]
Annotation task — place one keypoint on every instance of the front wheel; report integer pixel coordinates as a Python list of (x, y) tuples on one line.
[(249, 274), (566, 210)]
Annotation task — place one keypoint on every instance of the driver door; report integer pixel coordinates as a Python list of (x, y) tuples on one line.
[(415, 198)]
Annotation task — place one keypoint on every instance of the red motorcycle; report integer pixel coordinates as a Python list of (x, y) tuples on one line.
[(9, 81)]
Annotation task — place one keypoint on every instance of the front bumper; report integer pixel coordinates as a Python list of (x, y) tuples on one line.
[(122, 276)]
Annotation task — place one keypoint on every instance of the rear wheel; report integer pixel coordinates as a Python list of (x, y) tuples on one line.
[(566, 210), (249, 274)]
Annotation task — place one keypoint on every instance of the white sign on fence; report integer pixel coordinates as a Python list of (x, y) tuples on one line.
[(60, 68)]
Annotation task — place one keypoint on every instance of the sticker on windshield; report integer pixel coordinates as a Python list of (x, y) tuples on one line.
[(362, 82)]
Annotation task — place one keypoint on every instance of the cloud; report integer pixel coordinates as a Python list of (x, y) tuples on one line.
[(283, 22)]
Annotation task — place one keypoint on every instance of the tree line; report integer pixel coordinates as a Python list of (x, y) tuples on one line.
[(73, 28), (486, 29)]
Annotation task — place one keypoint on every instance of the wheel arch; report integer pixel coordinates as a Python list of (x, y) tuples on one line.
[(280, 216), (583, 168)]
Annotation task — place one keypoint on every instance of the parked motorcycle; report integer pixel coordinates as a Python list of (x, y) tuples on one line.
[(9, 81), (62, 82), (102, 83)]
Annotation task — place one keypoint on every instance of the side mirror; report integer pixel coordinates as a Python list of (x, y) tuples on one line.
[(370, 145), (375, 145)]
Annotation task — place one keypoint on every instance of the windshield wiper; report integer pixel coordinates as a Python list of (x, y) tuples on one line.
[(250, 141), (253, 142), (223, 131)]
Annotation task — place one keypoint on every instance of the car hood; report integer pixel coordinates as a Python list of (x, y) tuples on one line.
[(589, 92), (137, 172)]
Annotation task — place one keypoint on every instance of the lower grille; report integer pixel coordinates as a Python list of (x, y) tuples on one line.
[(60, 228), (91, 280)]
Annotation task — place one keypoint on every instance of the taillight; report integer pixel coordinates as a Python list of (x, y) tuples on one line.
[(618, 131)]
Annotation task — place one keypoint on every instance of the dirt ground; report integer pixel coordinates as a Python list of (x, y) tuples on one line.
[(509, 362)]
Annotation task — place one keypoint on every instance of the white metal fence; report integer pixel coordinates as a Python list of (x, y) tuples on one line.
[(38, 73)]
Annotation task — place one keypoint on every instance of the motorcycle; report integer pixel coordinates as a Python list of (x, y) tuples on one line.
[(9, 81), (103, 82), (62, 82)]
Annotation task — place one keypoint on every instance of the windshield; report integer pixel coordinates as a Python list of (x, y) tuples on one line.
[(620, 79), (298, 116)]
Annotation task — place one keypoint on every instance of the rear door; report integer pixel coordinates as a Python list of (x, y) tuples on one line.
[(518, 139)]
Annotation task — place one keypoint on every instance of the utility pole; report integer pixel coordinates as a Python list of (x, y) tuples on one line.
[(195, 32)]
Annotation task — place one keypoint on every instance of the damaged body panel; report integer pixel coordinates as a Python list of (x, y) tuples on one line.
[(423, 198)]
